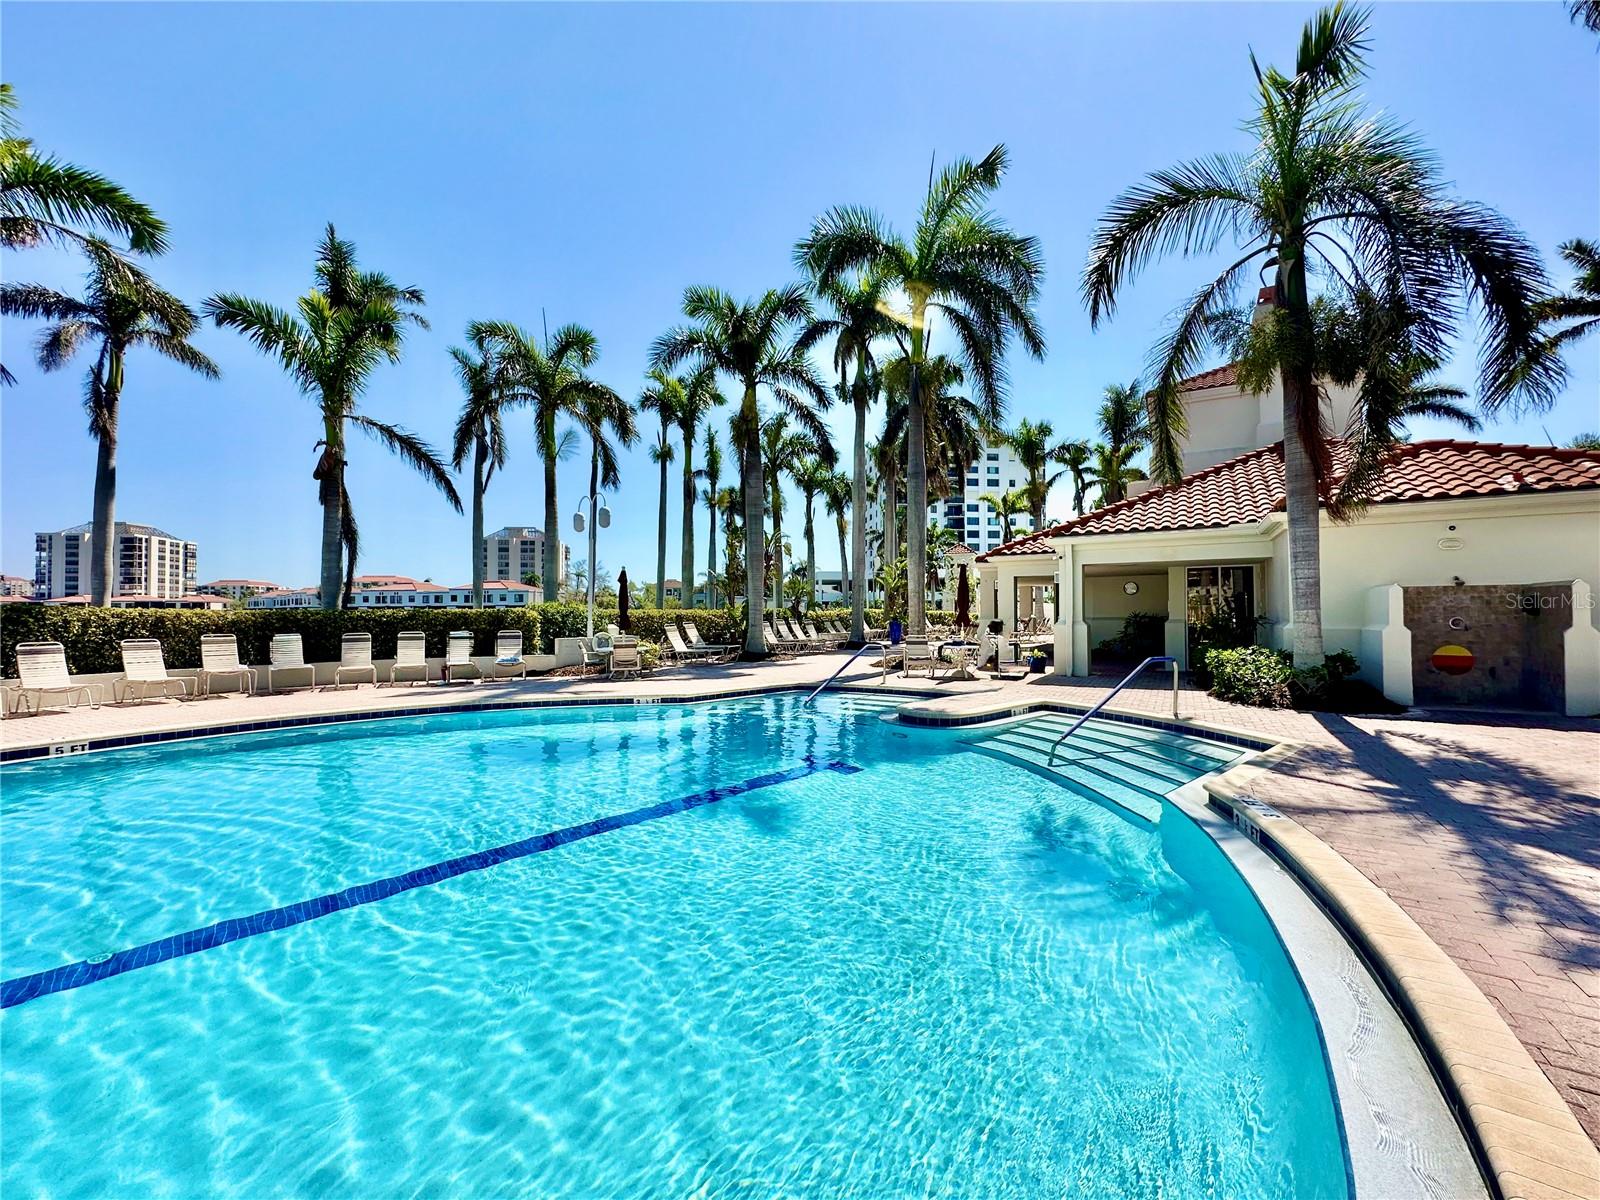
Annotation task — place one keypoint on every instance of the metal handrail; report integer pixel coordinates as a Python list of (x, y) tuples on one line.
[(1109, 696), (864, 647)]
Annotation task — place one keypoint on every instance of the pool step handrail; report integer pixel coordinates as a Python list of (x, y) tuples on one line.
[(860, 650), (1111, 695)]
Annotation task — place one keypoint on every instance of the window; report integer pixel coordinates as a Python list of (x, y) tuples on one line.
[(993, 456), (972, 508)]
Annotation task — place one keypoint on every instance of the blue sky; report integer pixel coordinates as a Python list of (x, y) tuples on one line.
[(592, 160)]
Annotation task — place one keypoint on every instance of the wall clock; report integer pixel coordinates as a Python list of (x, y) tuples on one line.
[(1131, 588)]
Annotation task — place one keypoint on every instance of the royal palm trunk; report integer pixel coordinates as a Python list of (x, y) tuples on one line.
[(330, 481), (811, 555), (1301, 497), (916, 507), (844, 571), (688, 518), (754, 487), (552, 513), (661, 532), (480, 458), (858, 508), (103, 535), (711, 557)]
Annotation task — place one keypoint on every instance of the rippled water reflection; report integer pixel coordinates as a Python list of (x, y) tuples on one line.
[(940, 976)]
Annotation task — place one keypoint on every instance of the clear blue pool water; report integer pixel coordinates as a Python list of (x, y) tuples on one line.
[(941, 974)]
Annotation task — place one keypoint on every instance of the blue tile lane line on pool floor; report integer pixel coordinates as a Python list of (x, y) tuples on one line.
[(75, 975)]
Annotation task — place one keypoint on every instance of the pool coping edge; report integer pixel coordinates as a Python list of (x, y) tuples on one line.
[(1526, 1137)]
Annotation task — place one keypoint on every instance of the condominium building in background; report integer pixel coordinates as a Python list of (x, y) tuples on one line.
[(516, 552), (237, 589), (996, 471), (16, 585), (401, 591), (148, 562)]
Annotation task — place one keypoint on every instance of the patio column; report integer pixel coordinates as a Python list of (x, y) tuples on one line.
[(987, 576), (1581, 652), (1069, 604), (1176, 640)]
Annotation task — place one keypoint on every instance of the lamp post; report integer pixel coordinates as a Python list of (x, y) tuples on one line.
[(599, 518)]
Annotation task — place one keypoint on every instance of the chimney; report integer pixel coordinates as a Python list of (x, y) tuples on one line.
[(1266, 301)]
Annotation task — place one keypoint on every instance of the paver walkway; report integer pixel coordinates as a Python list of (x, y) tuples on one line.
[(1486, 830)]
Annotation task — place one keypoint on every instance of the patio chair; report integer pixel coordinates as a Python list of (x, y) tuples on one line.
[(955, 661), (678, 651), (508, 655), (776, 642), (355, 658), (219, 659), (824, 638), (458, 655), (143, 667), (410, 654), (287, 653), (596, 652), (42, 671), (916, 656), (625, 660), (795, 638), (696, 642)]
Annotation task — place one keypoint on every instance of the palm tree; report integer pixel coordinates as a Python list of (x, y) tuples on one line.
[(45, 200), (729, 502), (700, 396), (480, 431), (886, 456), (606, 419), (1006, 507), (1111, 472), (840, 497), (1585, 13), (1074, 456), (663, 397), (551, 379), (856, 322), (813, 477), (347, 324), (1580, 306), (954, 427), (1345, 195), (1123, 419), (963, 264), (750, 342), (1032, 441), (783, 452), (712, 496), (122, 309)]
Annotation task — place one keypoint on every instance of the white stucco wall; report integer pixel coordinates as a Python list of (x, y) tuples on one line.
[(1106, 604), (1511, 540)]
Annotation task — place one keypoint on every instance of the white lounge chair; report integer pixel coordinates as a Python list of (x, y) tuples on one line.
[(219, 659), (916, 656), (287, 653), (42, 671), (696, 642), (678, 651), (355, 658), (508, 655), (458, 655), (410, 654), (143, 667), (625, 660)]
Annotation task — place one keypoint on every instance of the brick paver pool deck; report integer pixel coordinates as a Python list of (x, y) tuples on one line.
[(1485, 829)]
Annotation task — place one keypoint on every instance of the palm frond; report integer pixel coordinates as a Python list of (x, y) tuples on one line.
[(412, 450)]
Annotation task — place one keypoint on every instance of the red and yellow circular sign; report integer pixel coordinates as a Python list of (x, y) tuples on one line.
[(1453, 660)]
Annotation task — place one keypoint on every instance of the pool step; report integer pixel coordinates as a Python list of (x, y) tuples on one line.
[(1128, 768)]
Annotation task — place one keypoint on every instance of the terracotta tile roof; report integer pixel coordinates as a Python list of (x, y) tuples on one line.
[(1224, 376), (1246, 489)]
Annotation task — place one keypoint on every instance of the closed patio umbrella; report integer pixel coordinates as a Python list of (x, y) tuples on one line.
[(622, 601), (963, 599)]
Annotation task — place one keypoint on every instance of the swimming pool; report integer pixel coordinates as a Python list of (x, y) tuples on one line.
[(745, 948)]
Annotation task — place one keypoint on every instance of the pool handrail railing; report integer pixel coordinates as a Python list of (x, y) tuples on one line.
[(1111, 695)]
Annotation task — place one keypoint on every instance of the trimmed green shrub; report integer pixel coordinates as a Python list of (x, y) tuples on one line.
[(92, 636), (1266, 678), (1254, 675)]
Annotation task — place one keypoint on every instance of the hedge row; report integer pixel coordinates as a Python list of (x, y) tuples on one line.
[(92, 636)]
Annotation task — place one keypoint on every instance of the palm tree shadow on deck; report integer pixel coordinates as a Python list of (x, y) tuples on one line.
[(1512, 822)]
